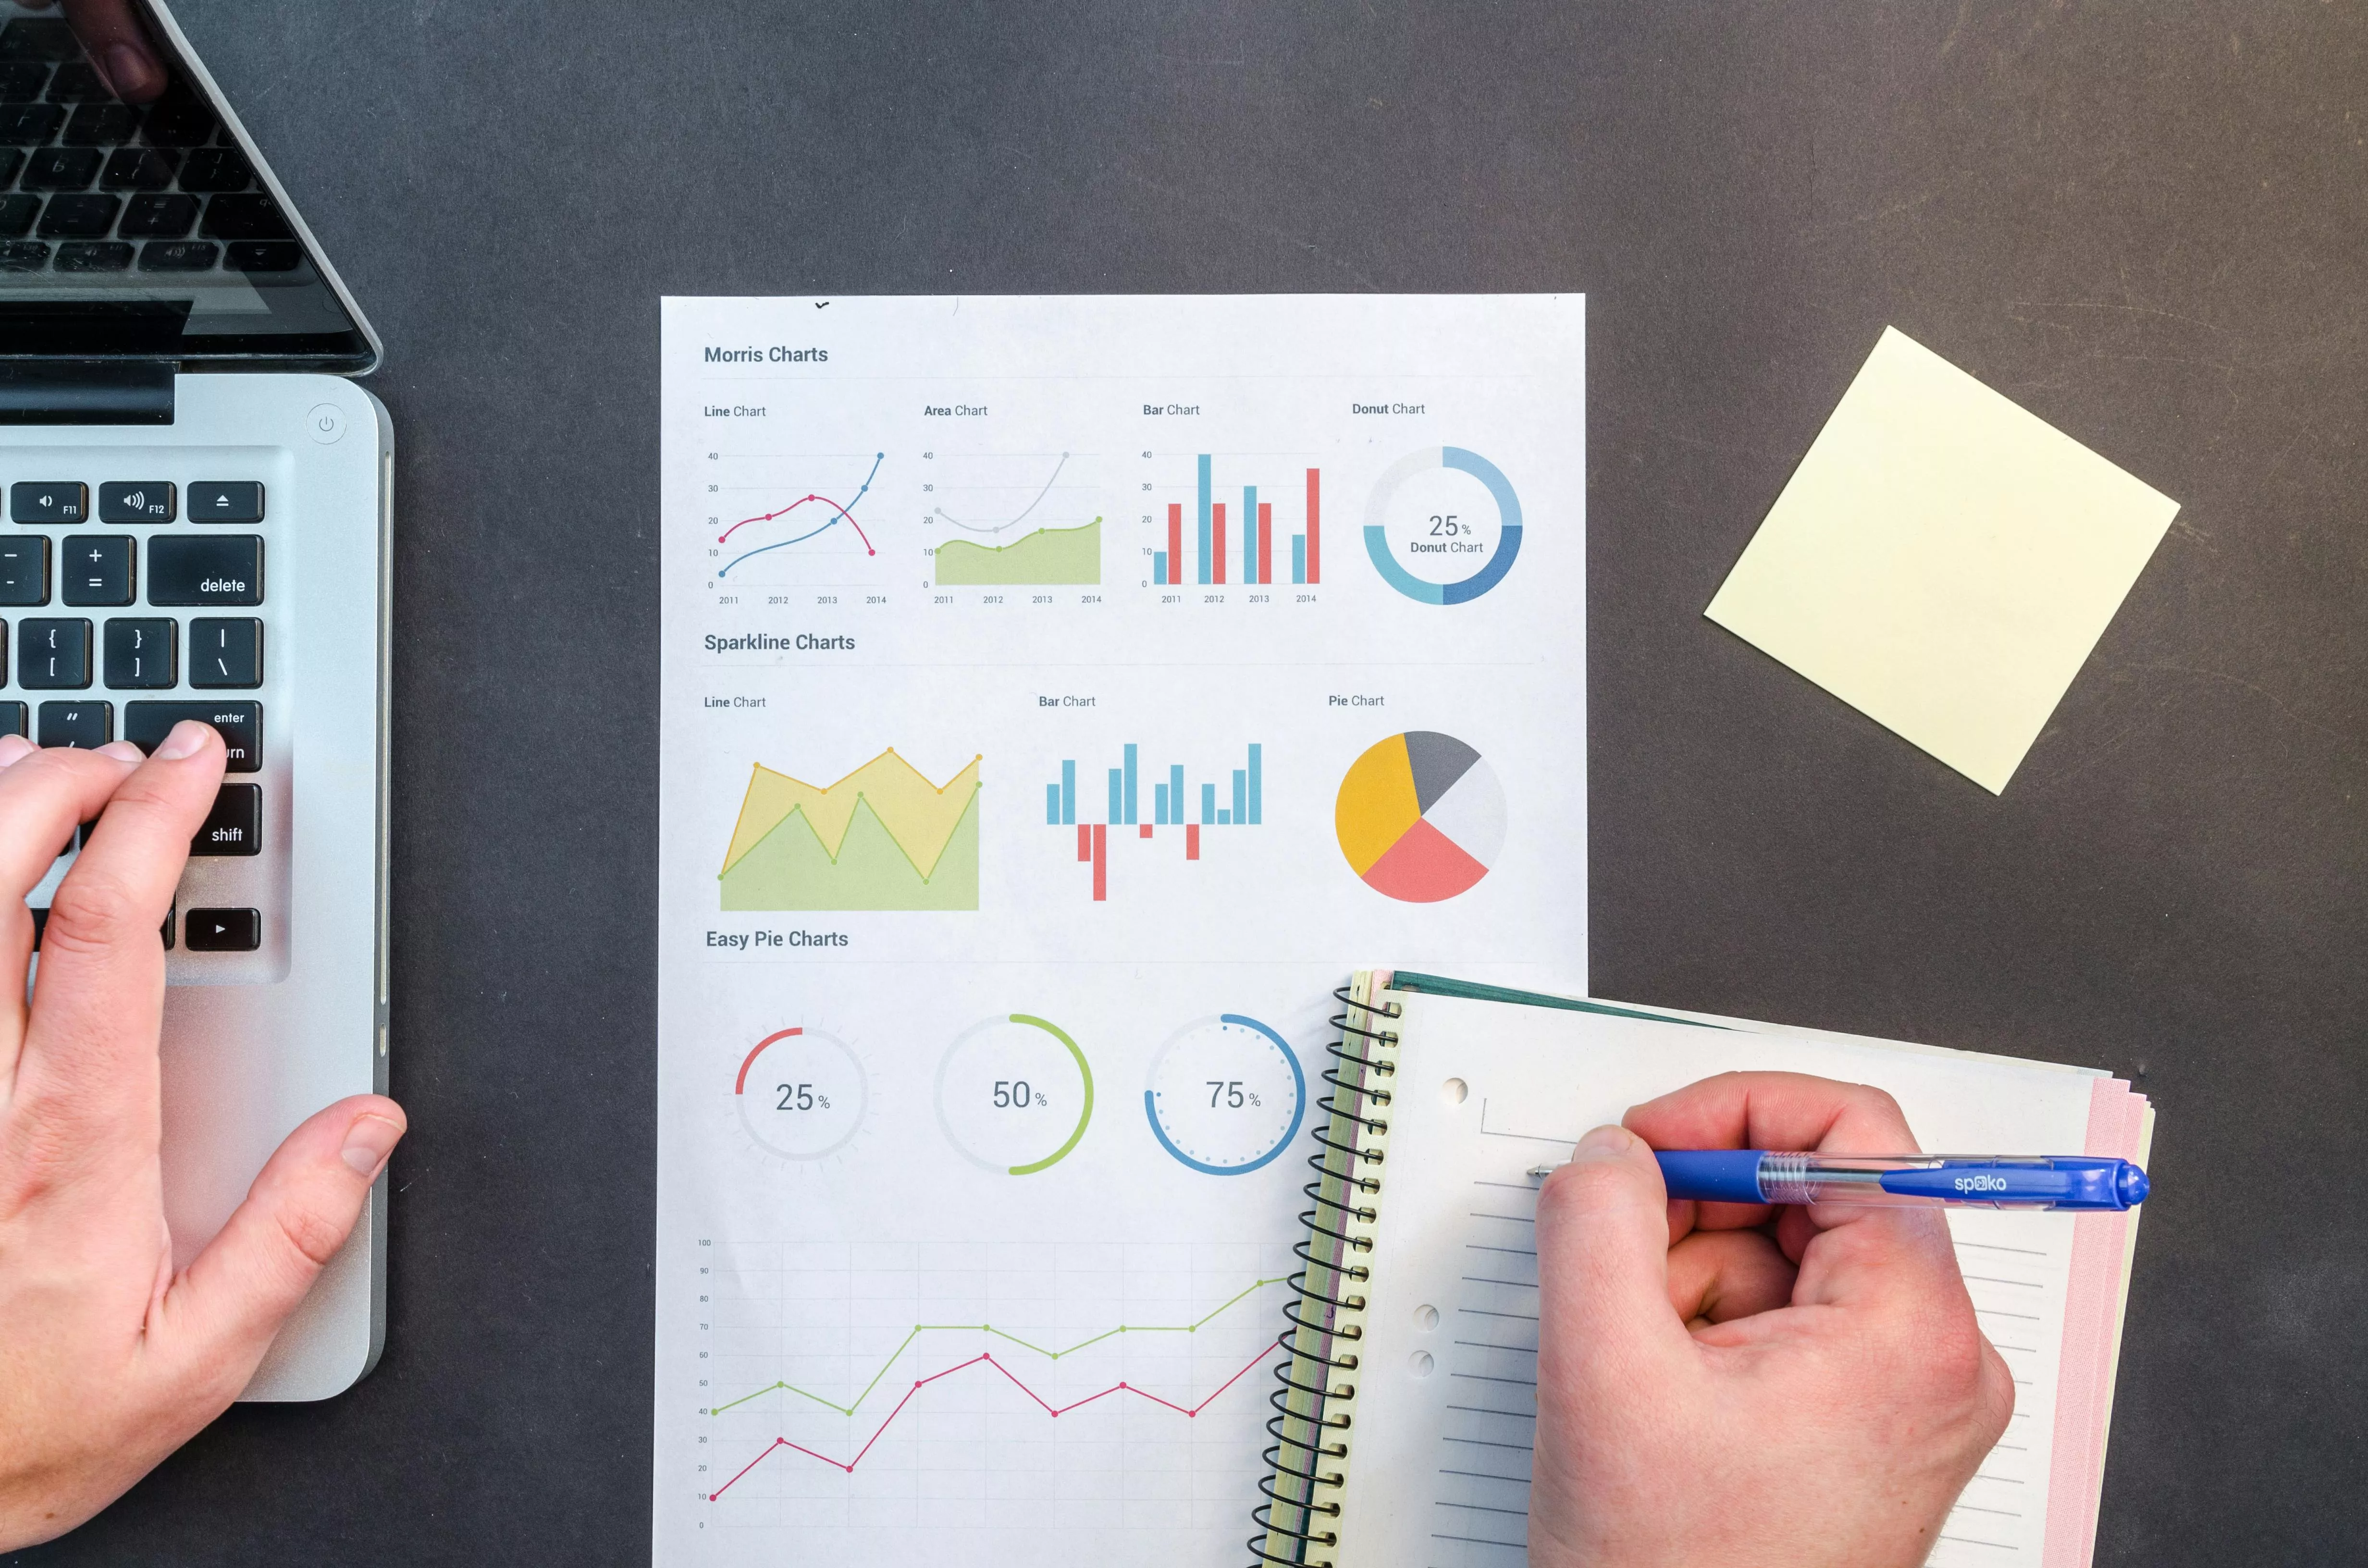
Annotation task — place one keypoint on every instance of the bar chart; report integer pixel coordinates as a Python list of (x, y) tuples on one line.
[(1246, 551), (1188, 805)]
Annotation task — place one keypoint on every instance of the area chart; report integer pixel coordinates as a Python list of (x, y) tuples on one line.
[(882, 837)]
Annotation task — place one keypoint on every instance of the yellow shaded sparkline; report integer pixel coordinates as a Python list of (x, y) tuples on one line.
[(921, 1329), (920, 816)]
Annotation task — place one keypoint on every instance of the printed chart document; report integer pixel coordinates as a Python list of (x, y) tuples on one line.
[(1061, 697)]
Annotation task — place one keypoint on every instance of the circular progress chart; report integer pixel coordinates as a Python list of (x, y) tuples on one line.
[(801, 1093), (1420, 817), (1225, 1095)]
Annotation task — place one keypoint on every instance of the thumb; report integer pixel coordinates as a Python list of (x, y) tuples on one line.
[(230, 1301), (1603, 1266)]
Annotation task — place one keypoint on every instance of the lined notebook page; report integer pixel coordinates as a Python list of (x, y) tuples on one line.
[(1445, 1413)]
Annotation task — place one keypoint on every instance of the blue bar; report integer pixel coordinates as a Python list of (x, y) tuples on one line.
[(1204, 517), (1051, 805), (1258, 792), (1068, 794), (1222, 818), (1175, 807), (1249, 533), (1117, 792), (1130, 784), (1160, 566), (1241, 796), (1299, 558), (1209, 804), (1159, 805)]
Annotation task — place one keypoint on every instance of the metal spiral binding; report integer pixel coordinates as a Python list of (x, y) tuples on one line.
[(1308, 1436)]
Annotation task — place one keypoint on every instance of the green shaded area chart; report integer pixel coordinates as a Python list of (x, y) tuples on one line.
[(1049, 557), (882, 838)]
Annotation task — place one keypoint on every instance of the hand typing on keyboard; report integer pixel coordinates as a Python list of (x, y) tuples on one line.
[(1720, 1389), (110, 1358)]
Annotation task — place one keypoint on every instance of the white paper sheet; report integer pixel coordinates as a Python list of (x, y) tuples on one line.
[(893, 1238)]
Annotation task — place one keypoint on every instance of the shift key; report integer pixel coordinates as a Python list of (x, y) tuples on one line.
[(235, 825), (201, 569)]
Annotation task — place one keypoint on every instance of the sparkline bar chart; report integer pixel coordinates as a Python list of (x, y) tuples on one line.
[(1241, 804)]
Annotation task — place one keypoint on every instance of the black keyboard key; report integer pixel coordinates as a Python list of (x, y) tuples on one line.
[(146, 725), (158, 217), (20, 82), (178, 256), (86, 726), (16, 215), (137, 501), (25, 570), (138, 168), (62, 168), (98, 569), (200, 571), (46, 501), (140, 655), (219, 500), (235, 825), (177, 122), (38, 38), (78, 217), (225, 655), (225, 930), (216, 168), (53, 655), (29, 125), (263, 255), (101, 125), (23, 255), (12, 718), (244, 217), (11, 160), (94, 256), (76, 83)]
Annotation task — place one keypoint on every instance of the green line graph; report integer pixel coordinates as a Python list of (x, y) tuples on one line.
[(987, 1328)]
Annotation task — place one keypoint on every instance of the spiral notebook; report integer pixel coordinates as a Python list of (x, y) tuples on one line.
[(1407, 1407)]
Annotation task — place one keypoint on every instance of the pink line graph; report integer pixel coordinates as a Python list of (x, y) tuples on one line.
[(987, 1357), (768, 517)]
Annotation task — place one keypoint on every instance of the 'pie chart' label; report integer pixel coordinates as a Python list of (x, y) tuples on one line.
[(1420, 817)]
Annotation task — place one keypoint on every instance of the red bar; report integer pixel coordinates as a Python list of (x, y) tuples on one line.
[(1315, 538), (1266, 541), (1174, 543), (1146, 830), (1217, 541), (1085, 842), (1191, 841), (1101, 863)]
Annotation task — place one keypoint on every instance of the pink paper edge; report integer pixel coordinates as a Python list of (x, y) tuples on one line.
[(2091, 1298), (2092, 1495)]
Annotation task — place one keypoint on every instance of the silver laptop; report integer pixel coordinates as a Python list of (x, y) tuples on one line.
[(196, 526)]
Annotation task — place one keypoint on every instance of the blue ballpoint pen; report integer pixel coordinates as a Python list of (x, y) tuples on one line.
[(1982, 1181)]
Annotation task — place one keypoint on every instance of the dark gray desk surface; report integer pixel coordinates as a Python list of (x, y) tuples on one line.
[(2142, 220)]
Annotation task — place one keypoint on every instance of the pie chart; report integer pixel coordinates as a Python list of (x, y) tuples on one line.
[(1420, 817)]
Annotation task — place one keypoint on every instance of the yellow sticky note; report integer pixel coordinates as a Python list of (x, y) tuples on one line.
[(1942, 560)]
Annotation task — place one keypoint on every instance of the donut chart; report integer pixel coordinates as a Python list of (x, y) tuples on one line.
[(1398, 525), (1420, 817), (801, 1093)]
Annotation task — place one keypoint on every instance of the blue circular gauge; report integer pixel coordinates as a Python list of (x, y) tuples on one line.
[(1225, 1095)]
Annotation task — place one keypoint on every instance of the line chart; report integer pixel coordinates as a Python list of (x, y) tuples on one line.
[(986, 1357), (843, 513), (998, 528), (921, 1329)]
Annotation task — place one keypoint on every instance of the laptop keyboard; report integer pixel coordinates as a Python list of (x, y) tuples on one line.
[(89, 185), (60, 672)]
